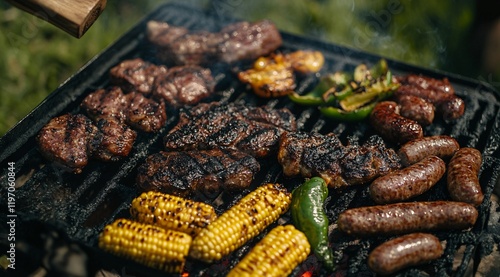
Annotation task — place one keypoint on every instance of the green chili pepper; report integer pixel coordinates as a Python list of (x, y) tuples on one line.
[(309, 217), (350, 116)]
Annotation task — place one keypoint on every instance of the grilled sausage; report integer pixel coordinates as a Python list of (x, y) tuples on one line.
[(408, 182), (462, 177), (386, 120), (405, 251), (416, 108), (409, 217), (451, 107), (417, 149), (438, 92)]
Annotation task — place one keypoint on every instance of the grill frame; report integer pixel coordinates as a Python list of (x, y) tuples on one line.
[(80, 211)]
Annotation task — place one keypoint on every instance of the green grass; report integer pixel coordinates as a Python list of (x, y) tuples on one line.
[(36, 57)]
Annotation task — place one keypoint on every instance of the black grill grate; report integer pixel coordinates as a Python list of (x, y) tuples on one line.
[(81, 205)]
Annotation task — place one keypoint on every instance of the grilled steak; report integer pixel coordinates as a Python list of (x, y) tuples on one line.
[(253, 130), (238, 41), (136, 75), (104, 103), (133, 108), (245, 40), (313, 154), (66, 141), (184, 85), (145, 114), (203, 173), (114, 141)]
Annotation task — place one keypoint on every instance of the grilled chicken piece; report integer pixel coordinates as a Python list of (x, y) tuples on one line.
[(145, 114), (136, 75), (135, 109), (235, 42), (203, 173), (184, 85), (66, 141), (313, 154), (253, 130), (113, 142)]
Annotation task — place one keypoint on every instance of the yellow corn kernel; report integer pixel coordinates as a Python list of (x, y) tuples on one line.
[(146, 244), (172, 212), (246, 219), (277, 254)]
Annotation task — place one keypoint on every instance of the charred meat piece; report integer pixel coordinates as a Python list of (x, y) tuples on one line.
[(248, 41), (193, 49), (313, 154), (253, 130), (363, 163), (438, 92), (134, 109), (136, 75), (162, 34), (105, 103), (66, 141), (179, 46), (238, 41), (204, 173), (114, 141), (184, 85), (145, 114)]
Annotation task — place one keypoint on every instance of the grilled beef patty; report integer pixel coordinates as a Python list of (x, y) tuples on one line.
[(253, 130), (203, 173)]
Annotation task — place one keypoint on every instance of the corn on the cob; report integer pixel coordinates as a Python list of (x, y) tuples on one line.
[(277, 254), (146, 244), (240, 223), (172, 212)]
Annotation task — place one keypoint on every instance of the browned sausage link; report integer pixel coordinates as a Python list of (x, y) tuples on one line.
[(417, 149), (408, 217), (408, 182), (462, 177), (390, 125), (451, 107), (416, 108), (405, 251)]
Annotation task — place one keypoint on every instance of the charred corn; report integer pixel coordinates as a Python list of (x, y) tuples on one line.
[(240, 223), (277, 254), (172, 212), (146, 244)]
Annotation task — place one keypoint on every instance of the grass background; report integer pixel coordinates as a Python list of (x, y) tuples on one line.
[(36, 57)]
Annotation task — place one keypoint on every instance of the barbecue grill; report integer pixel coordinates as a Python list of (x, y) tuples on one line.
[(60, 210)]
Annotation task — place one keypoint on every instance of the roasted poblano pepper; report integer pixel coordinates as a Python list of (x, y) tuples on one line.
[(308, 216), (346, 97)]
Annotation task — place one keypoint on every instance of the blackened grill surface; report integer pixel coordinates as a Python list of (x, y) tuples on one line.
[(79, 206)]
